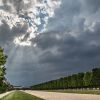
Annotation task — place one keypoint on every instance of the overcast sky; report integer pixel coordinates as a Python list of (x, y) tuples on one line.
[(48, 39)]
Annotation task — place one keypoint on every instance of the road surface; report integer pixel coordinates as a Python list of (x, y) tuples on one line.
[(4, 94), (63, 96)]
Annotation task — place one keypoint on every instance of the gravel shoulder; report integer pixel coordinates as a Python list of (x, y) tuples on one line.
[(62, 96)]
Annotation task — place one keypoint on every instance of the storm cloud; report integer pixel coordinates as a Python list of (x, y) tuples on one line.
[(70, 43)]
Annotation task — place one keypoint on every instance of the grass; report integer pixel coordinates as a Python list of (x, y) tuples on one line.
[(77, 91), (18, 95)]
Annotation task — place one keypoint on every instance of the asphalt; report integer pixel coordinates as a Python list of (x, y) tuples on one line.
[(63, 96)]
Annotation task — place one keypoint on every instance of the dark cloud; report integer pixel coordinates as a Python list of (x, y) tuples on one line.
[(77, 48), (65, 15), (8, 34), (71, 44), (92, 6), (5, 7), (18, 4), (84, 46), (15, 5), (4, 32)]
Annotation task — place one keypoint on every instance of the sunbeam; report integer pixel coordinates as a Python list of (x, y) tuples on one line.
[(35, 17)]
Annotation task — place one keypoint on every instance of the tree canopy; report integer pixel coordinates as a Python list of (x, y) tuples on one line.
[(3, 57), (89, 79)]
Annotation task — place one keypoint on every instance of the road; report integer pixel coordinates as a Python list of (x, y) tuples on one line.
[(4, 94), (63, 96)]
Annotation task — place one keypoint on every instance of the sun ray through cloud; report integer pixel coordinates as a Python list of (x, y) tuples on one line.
[(33, 13)]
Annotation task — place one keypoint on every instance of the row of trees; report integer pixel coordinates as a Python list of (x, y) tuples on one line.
[(81, 80), (4, 85)]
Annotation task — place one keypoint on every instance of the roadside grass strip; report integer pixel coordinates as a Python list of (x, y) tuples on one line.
[(19, 95)]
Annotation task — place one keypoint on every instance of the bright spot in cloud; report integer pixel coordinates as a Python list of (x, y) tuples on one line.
[(36, 17)]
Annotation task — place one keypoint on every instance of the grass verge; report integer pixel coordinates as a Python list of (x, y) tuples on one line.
[(18, 95)]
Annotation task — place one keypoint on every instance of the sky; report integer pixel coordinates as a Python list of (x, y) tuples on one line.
[(49, 39)]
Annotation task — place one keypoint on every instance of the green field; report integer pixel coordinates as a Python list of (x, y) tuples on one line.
[(77, 91), (18, 95)]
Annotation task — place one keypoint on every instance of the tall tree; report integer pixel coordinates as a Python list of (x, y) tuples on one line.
[(80, 77), (74, 80), (3, 58), (87, 79), (96, 77)]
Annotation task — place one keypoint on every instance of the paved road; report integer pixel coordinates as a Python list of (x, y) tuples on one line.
[(4, 94), (63, 96)]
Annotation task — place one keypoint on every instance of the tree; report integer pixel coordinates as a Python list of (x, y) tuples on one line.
[(87, 79), (96, 77), (80, 80), (74, 81), (65, 82), (3, 58), (69, 81)]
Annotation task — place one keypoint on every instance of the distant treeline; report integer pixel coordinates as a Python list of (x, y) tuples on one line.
[(81, 80)]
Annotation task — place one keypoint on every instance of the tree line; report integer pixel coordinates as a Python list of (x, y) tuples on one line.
[(90, 79), (4, 85)]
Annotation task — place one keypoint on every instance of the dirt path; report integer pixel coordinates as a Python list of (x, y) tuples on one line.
[(63, 96), (4, 94)]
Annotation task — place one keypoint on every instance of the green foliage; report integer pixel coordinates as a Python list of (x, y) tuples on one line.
[(69, 81), (74, 80), (87, 79), (96, 77), (3, 87), (3, 58), (65, 83), (80, 80)]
